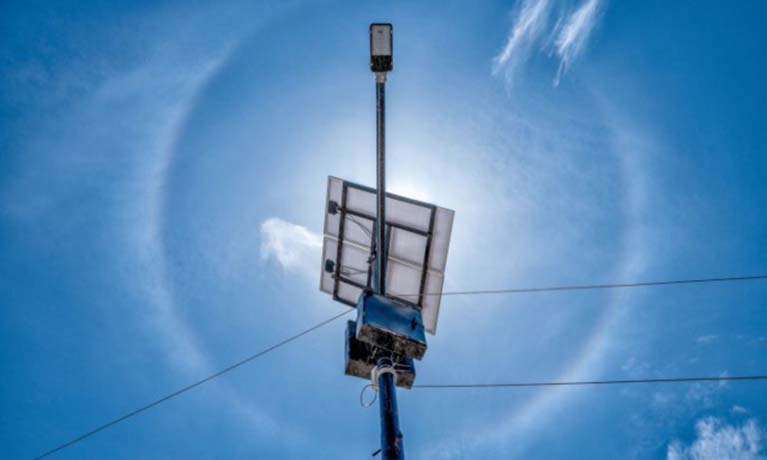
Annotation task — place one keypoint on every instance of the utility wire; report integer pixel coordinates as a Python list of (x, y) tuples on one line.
[(360, 225), (449, 293), (353, 271), (585, 287), (191, 386), (593, 382)]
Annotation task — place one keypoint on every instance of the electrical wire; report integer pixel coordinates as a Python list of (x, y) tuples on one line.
[(449, 293), (353, 271), (593, 382), (585, 287), (360, 225), (191, 386), (362, 396)]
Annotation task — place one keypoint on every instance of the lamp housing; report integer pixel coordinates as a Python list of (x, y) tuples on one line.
[(381, 46)]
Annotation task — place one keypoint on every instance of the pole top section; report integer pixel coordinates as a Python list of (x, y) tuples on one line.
[(381, 47)]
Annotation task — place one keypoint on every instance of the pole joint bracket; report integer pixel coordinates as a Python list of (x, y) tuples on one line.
[(385, 366)]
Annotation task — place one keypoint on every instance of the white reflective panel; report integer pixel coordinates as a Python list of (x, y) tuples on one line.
[(354, 263), (335, 193), (348, 293), (350, 217), (407, 246), (358, 230), (430, 310), (403, 279), (440, 242), (360, 200), (402, 212), (329, 250)]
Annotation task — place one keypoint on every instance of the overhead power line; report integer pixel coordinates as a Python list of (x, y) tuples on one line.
[(191, 386), (592, 382), (447, 293), (586, 287)]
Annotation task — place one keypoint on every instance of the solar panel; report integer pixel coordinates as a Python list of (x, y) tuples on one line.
[(418, 236)]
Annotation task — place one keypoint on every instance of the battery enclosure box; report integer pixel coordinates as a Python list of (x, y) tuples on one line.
[(390, 325), (360, 360)]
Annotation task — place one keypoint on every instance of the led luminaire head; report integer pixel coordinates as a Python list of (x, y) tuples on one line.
[(380, 47)]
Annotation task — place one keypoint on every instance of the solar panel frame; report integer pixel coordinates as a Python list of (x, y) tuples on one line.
[(341, 209)]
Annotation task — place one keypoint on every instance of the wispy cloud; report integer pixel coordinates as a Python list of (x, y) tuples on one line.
[(527, 27), (736, 409), (294, 247), (706, 394), (514, 431), (573, 36), (716, 440), (115, 132), (533, 25), (705, 339)]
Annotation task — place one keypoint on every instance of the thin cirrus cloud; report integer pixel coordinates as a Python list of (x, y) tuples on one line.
[(527, 28), (534, 28), (706, 339), (294, 247), (573, 36), (716, 440)]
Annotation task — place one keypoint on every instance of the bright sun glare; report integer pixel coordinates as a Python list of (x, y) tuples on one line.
[(410, 190)]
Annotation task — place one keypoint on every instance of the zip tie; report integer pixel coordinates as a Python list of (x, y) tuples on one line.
[(376, 372)]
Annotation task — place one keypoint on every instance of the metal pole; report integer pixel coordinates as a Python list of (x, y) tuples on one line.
[(391, 437), (380, 268)]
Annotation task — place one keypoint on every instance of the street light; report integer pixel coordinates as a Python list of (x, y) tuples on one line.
[(380, 47), (390, 268)]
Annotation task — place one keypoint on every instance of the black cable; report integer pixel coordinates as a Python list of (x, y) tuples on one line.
[(353, 271), (478, 292), (360, 225), (585, 287), (592, 382), (191, 386)]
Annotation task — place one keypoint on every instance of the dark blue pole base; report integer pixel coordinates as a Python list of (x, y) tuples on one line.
[(391, 437)]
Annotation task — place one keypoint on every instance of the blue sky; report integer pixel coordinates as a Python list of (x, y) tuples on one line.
[(162, 176)]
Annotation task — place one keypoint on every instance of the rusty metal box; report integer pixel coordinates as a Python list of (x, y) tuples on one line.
[(390, 325), (360, 360)]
